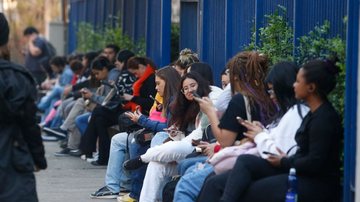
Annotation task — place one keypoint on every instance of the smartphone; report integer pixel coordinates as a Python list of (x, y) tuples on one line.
[(240, 119), (269, 153), (157, 102), (196, 95), (195, 142)]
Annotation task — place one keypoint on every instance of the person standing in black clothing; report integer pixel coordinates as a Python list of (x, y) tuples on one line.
[(317, 160), (21, 148)]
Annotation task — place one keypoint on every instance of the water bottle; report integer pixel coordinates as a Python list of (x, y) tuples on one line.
[(291, 195)]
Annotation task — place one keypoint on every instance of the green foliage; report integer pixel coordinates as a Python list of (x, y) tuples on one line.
[(276, 38), (175, 35), (90, 39), (317, 44)]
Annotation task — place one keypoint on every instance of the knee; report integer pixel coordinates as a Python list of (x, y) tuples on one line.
[(119, 139)]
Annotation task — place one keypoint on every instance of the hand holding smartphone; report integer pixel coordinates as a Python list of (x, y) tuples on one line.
[(196, 95)]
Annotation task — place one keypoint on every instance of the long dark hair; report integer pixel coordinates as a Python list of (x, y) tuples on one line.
[(204, 70), (248, 70), (123, 56), (172, 82), (323, 74), (282, 76), (184, 111)]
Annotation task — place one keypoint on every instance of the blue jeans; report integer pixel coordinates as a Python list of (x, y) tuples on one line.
[(189, 185), (48, 100), (116, 177), (137, 176), (186, 163), (82, 122)]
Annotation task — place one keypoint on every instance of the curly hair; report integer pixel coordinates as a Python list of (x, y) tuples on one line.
[(186, 58), (247, 74)]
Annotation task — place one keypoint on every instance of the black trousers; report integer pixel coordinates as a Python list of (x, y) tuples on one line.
[(101, 119), (253, 179)]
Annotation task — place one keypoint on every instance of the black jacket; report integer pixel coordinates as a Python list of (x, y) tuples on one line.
[(19, 131)]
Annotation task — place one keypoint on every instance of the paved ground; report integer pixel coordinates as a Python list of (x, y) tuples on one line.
[(68, 179)]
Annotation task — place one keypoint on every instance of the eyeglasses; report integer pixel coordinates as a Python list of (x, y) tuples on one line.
[(188, 88)]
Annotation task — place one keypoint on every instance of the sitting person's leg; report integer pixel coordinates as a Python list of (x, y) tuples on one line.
[(189, 185), (82, 122), (137, 176), (116, 179), (188, 162), (168, 152), (157, 175)]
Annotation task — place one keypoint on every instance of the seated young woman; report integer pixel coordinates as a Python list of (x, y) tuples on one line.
[(117, 180), (279, 134), (245, 89), (186, 123), (316, 160)]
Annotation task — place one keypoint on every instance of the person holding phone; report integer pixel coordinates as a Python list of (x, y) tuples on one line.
[(316, 160), (186, 118), (278, 134)]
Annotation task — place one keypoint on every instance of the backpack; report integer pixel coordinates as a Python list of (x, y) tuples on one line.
[(50, 49)]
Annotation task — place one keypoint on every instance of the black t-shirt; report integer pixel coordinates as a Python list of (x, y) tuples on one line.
[(236, 108)]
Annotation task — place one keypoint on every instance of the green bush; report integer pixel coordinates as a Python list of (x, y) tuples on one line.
[(276, 38), (90, 39), (317, 44)]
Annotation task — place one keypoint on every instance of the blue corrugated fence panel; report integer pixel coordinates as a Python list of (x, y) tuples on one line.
[(189, 25), (134, 18), (351, 94), (270, 6), (158, 31), (128, 17), (212, 50), (140, 20), (310, 13), (239, 25)]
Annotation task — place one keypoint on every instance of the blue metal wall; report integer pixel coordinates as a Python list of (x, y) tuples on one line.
[(134, 18), (239, 23), (158, 31), (212, 33), (189, 21), (351, 99)]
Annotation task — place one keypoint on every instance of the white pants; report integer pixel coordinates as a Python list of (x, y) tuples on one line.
[(168, 152), (162, 167), (157, 175)]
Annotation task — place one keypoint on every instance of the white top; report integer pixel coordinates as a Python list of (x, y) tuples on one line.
[(223, 100), (283, 135)]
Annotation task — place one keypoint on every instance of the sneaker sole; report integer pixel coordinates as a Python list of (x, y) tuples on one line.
[(54, 133), (104, 197)]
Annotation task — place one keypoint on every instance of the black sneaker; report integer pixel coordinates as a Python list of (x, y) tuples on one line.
[(75, 152), (133, 164), (56, 132), (64, 152), (104, 192), (97, 163)]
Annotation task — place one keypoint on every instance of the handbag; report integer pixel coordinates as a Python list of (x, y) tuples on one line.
[(225, 159)]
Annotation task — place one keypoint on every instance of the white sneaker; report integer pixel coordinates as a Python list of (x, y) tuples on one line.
[(94, 158)]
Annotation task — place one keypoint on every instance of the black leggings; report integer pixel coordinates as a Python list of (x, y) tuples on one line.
[(253, 179), (101, 119)]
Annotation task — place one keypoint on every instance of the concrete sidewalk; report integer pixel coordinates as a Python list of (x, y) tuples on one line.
[(68, 179)]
